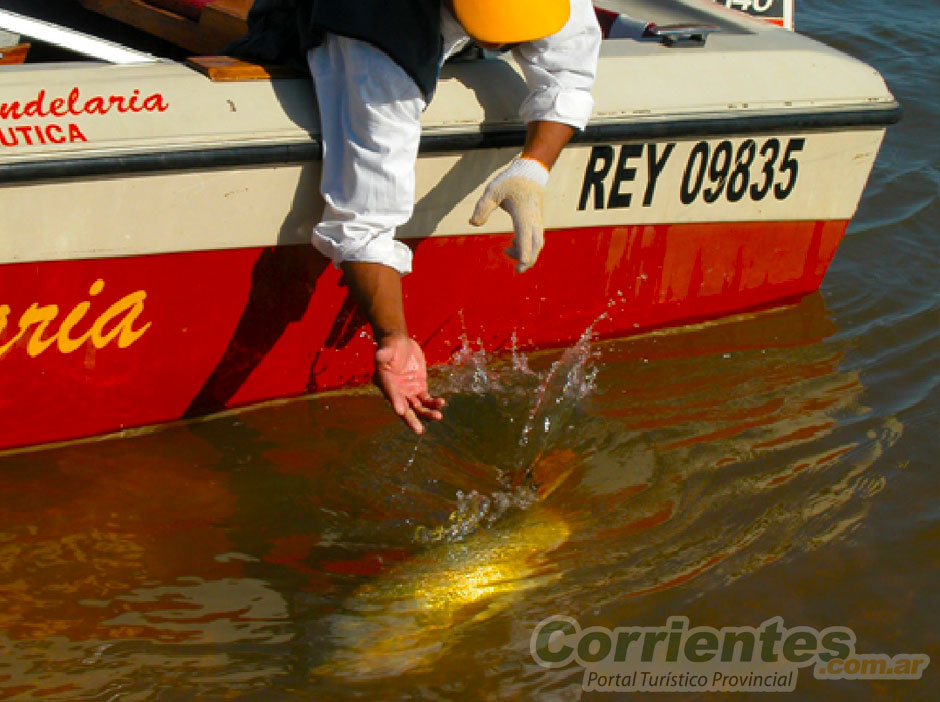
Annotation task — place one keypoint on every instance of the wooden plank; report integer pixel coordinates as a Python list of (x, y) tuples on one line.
[(227, 69), (193, 36), (187, 8), (228, 17), (13, 54)]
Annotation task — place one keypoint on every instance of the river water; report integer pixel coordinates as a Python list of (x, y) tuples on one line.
[(781, 464)]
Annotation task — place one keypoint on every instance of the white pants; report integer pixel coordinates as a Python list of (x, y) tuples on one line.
[(370, 112)]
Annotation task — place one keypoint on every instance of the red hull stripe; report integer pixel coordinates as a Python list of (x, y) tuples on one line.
[(93, 346)]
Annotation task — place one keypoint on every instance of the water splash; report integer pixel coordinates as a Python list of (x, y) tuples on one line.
[(570, 379), (475, 374), (475, 511), (520, 364), (544, 403)]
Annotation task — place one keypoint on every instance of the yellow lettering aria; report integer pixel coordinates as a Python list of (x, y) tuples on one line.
[(131, 307)]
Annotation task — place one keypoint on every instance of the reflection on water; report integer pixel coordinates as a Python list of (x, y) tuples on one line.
[(316, 546)]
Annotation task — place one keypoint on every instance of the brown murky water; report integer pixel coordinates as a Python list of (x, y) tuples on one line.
[(779, 464)]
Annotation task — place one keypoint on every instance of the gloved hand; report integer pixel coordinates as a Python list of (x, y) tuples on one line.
[(520, 190), (401, 374)]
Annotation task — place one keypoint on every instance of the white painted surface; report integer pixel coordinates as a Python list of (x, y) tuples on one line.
[(260, 207)]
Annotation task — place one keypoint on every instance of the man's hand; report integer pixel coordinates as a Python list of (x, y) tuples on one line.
[(400, 370), (401, 374), (520, 190)]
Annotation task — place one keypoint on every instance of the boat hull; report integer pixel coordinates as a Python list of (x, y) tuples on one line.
[(95, 345)]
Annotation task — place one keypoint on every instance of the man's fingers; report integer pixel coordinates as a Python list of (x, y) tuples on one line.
[(413, 408), (429, 401), (484, 208), (426, 408), (428, 413), (400, 405), (404, 408), (527, 245), (411, 419)]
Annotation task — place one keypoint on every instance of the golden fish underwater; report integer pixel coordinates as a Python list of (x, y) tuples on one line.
[(397, 622)]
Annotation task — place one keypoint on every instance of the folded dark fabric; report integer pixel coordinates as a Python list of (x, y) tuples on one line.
[(409, 31)]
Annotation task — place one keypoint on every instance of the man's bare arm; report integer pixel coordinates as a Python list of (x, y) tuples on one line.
[(376, 288), (400, 370), (545, 140)]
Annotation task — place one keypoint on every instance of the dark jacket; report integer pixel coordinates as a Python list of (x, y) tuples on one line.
[(409, 31)]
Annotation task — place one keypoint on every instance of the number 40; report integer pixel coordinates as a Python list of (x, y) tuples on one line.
[(745, 5)]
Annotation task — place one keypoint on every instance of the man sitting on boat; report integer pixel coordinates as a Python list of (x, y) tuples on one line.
[(375, 64)]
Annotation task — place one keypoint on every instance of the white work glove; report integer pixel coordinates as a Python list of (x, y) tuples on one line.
[(520, 190)]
